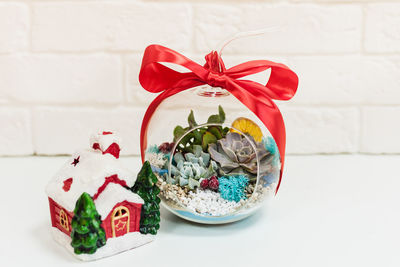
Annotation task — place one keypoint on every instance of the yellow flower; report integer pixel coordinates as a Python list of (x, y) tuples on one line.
[(248, 127)]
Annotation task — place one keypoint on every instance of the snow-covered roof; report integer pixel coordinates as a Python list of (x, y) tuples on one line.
[(113, 194), (88, 174), (104, 139)]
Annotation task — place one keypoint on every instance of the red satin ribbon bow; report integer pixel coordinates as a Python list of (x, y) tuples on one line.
[(282, 85)]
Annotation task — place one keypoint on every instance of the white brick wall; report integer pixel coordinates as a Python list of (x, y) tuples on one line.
[(109, 25), (380, 129), (306, 28), (55, 79), (14, 26), (71, 127), (382, 33), (15, 134), (68, 68)]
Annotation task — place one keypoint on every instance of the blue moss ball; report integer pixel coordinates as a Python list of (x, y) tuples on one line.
[(232, 188)]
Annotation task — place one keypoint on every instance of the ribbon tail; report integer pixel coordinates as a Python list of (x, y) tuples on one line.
[(278, 132), (267, 111), (272, 118)]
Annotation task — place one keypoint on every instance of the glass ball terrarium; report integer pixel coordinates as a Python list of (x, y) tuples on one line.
[(216, 162)]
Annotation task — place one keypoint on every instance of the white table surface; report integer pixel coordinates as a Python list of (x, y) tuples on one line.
[(331, 211)]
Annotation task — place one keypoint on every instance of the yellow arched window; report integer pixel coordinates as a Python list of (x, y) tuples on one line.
[(64, 220)]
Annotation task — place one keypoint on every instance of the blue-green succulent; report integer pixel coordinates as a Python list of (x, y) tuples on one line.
[(188, 169)]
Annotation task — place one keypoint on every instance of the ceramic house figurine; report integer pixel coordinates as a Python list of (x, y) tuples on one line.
[(98, 207)]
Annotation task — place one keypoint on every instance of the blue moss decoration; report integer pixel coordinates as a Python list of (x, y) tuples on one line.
[(270, 145), (153, 149), (232, 188), (270, 178), (167, 156), (159, 170)]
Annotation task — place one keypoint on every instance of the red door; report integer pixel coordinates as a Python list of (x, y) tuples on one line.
[(120, 220)]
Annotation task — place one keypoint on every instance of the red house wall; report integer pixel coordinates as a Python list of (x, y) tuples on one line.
[(134, 212), (55, 216)]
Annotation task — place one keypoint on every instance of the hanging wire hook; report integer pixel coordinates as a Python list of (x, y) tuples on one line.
[(239, 35)]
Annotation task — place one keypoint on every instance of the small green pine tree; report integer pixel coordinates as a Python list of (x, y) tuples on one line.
[(147, 189), (87, 234)]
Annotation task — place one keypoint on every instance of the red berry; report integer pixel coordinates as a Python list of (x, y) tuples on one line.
[(213, 183), (171, 146), (166, 147), (204, 184)]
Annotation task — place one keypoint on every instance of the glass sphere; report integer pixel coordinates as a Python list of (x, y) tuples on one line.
[(215, 160)]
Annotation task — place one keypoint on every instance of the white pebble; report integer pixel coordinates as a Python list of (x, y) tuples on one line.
[(209, 202)]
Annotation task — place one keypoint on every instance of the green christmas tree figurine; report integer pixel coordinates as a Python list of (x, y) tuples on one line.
[(87, 234), (147, 189)]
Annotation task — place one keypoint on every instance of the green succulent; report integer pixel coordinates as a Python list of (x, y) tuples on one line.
[(202, 136), (191, 167)]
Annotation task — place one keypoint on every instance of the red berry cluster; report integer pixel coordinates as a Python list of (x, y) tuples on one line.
[(166, 147), (211, 183)]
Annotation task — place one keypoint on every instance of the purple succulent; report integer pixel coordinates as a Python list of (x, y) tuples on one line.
[(236, 155)]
